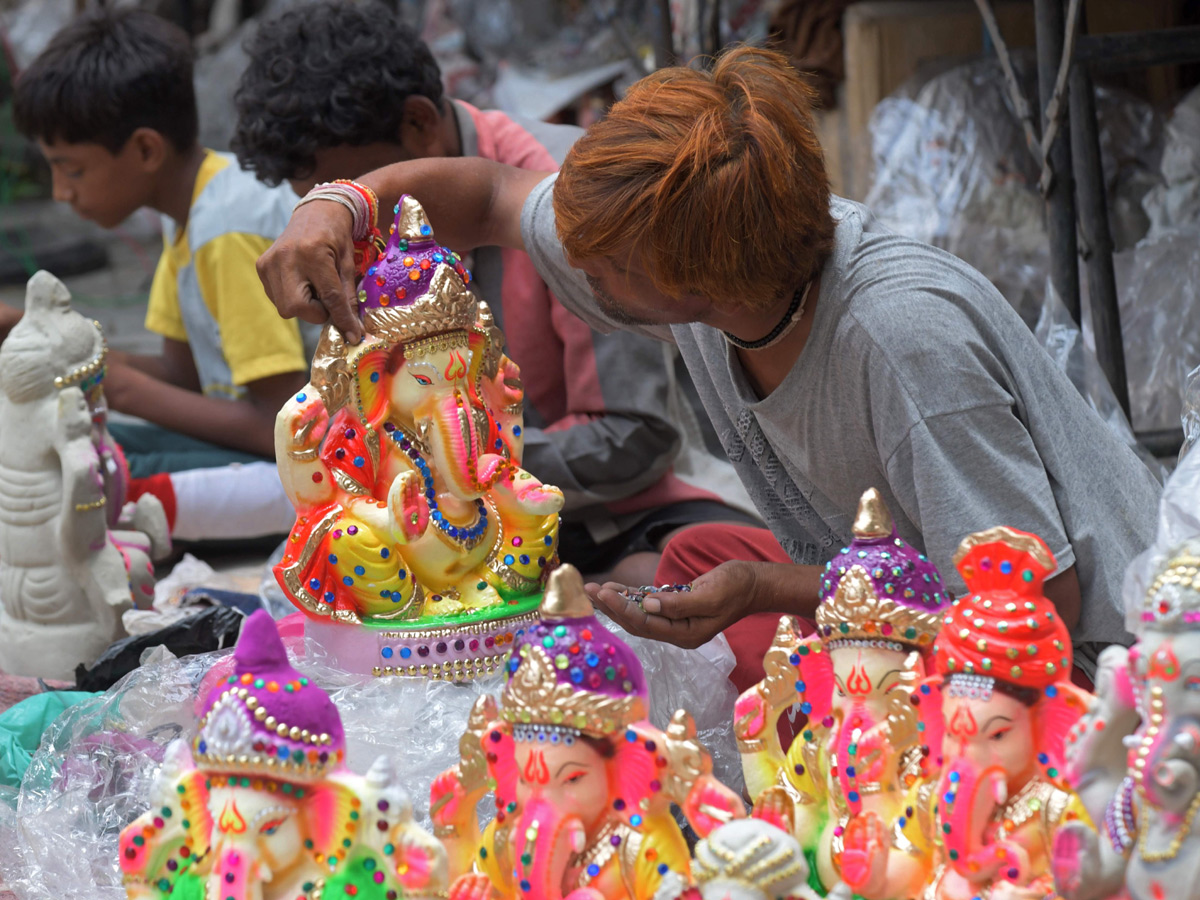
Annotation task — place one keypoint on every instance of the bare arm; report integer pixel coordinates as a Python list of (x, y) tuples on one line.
[(247, 424), (174, 365), (309, 271), (1063, 591)]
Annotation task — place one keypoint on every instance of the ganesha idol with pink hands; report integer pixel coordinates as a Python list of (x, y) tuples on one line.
[(262, 807), (420, 544), (855, 680), (583, 783), (985, 826)]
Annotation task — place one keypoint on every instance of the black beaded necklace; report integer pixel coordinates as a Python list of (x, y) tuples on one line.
[(793, 315)]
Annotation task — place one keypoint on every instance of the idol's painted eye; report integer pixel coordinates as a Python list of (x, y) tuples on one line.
[(271, 826), (999, 735), (575, 777), (423, 380)]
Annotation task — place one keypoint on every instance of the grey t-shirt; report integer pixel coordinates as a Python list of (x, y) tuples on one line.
[(920, 380)]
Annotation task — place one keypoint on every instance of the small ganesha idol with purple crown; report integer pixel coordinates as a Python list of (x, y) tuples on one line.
[(262, 806), (856, 680), (420, 544), (583, 783)]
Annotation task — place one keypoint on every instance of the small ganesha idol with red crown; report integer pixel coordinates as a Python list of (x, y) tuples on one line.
[(262, 806), (420, 545), (583, 783)]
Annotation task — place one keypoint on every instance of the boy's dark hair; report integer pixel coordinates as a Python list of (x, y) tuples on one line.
[(327, 74), (105, 75)]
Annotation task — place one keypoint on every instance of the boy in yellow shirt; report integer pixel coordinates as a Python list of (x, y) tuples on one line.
[(112, 107)]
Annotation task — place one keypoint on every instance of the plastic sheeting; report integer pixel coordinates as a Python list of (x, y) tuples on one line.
[(21, 728), (1158, 290), (1178, 521), (1175, 203), (951, 168), (92, 773)]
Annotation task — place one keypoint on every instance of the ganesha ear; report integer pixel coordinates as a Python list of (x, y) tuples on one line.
[(329, 814), (1059, 709), (638, 770), (927, 698), (372, 380), (501, 751), (814, 684), (180, 829)]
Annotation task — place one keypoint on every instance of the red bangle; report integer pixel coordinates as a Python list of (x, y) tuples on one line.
[(369, 196)]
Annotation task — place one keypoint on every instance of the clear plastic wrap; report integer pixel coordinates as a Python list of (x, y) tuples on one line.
[(951, 168), (1191, 412), (1158, 288), (1058, 333), (91, 775), (1178, 521), (1175, 202)]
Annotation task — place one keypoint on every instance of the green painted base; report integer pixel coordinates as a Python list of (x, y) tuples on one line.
[(521, 606)]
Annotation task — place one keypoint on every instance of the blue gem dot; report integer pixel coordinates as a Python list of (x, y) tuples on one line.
[(386, 652)]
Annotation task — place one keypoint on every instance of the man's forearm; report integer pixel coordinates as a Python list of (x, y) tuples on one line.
[(470, 202), (786, 588)]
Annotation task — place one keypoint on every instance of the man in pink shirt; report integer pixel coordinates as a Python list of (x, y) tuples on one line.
[(335, 89)]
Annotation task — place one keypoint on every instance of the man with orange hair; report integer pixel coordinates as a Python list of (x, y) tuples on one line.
[(831, 354)]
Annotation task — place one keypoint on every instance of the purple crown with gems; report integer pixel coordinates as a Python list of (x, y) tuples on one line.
[(405, 271), (568, 670), (880, 588), (267, 717)]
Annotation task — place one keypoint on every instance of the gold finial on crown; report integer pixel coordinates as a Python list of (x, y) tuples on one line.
[(411, 222), (565, 597), (873, 519)]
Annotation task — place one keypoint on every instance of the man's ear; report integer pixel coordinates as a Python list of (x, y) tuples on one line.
[(150, 148), (421, 129)]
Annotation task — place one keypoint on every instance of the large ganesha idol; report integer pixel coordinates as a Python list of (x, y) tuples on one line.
[(71, 560), (985, 825), (856, 680), (420, 543), (1147, 840), (263, 808), (583, 783)]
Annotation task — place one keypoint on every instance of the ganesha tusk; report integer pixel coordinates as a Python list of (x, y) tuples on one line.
[(715, 812)]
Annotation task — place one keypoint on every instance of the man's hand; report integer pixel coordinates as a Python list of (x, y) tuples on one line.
[(717, 599), (309, 271)]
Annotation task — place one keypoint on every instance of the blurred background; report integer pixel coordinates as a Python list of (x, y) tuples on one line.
[(918, 120)]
